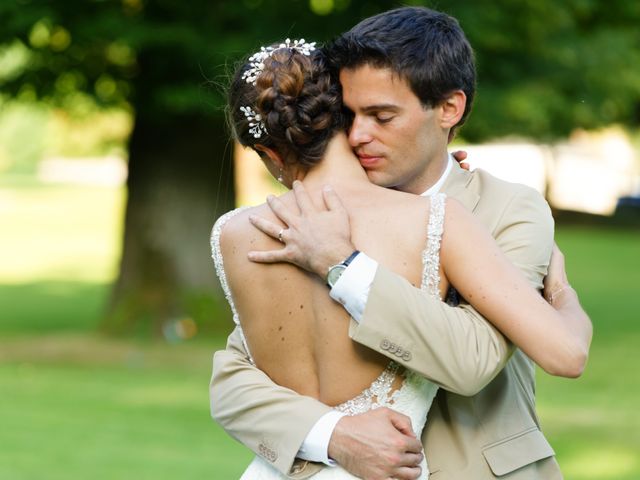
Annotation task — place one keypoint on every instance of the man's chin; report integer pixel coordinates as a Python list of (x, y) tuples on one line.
[(379, 178)]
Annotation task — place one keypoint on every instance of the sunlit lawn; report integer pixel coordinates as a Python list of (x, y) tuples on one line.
[(74, 405)]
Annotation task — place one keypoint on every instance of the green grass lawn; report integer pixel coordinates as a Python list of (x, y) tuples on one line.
[(74, 405), (593, 422), (80, 407)]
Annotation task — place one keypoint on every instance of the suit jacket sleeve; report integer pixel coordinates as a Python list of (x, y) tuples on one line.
[(456, 347), (254, 410)]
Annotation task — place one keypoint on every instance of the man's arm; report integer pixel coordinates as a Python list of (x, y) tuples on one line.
[(454, 347), (275, 422), (272, 421)]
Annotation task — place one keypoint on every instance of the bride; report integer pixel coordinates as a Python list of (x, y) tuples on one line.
[(285, 103)]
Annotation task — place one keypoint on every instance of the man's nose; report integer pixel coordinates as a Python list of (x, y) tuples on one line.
[(359, 133)]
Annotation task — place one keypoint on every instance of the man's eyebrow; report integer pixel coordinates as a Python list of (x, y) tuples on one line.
[(380, 107)]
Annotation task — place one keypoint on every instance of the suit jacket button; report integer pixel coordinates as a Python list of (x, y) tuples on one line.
[(384, 345), (406, 356), (393, 348), (399, 352)]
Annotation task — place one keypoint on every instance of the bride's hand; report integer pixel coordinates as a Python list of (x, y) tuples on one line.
[(460, 156), (556, 280)]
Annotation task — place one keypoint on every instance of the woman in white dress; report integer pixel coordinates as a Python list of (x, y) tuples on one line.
[(285, 103)]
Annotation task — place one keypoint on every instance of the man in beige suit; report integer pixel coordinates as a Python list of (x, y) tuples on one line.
[(483, 423)]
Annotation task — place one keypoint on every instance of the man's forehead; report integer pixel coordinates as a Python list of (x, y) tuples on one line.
[(367, 70), (368, 86)]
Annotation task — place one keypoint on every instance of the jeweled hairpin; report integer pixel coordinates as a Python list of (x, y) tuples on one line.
[(256, 126), (256, 61)]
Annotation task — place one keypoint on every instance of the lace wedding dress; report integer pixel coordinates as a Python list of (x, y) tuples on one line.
[(416, 393)]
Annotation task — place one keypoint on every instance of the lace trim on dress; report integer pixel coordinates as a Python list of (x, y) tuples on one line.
[(377, 395), (216, 254), (431, 254)]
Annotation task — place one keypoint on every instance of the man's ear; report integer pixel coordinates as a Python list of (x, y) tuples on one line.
[(273, 155), (452, 109)]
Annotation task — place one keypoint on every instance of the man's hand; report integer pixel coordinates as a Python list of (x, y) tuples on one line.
[(377, 445), (315, 239)]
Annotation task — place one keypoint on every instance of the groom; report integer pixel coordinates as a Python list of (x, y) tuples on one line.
[(405, 74)]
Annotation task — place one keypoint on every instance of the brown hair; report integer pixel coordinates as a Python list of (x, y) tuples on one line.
[(299, 100)]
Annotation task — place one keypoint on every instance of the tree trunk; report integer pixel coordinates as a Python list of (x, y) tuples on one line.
[(180, 180)]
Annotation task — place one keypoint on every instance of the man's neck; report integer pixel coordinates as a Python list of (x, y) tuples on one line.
[(430, 177), (437, 185)]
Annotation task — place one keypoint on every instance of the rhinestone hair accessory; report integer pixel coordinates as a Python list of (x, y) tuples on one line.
[(256, 127), (256, 61)]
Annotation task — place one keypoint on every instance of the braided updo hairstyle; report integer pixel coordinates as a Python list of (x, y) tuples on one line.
[(299, 100)]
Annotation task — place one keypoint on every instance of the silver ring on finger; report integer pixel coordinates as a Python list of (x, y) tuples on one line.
[(280, 235)]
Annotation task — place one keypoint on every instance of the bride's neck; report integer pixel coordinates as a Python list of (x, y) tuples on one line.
[(338, 166)]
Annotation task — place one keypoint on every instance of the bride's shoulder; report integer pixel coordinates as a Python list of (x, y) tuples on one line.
[(233, 232), (234, 223), (454, 211)]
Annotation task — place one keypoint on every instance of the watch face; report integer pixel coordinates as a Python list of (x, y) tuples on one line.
[(334, 274)]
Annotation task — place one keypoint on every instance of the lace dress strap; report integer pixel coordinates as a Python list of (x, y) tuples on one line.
[(216, 254), (431, 254)]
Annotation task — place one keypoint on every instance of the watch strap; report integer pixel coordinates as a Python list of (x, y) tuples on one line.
[(341, 266)]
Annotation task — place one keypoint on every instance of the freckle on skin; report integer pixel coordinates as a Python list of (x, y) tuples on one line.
[(282, 339), (301, 307), (289, 312), (280, 328)]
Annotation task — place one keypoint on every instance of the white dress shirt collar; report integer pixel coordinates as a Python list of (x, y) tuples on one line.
[(435, 188)]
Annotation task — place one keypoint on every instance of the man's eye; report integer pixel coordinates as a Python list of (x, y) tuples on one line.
[(384, 118)]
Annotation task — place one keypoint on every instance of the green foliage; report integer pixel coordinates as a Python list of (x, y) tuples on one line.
[(544, 67), (548, 67), (23, 130)]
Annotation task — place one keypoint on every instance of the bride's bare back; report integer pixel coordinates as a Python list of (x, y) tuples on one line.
[(295, 332)]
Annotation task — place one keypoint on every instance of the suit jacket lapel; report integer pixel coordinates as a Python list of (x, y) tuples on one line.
[(463, 186)]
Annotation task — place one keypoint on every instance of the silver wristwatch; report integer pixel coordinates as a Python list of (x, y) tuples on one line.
[(336, 271)]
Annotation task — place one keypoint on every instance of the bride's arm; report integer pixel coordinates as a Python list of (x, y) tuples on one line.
[(557, 339), (561, 296)]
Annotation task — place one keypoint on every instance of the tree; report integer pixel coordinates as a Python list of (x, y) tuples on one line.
[(544, 69), (164, 60)]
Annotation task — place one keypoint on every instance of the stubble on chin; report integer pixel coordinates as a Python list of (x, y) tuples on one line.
[(379, 178)]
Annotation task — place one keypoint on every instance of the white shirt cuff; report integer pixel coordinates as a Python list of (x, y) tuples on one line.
[(353, 286), (315, 447)]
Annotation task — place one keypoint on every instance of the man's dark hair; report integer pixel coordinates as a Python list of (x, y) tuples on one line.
[(426, 48)]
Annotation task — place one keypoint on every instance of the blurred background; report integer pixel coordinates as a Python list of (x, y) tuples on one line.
[(115, 161)]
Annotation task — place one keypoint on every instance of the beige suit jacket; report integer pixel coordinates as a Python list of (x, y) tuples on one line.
[(484, 425)]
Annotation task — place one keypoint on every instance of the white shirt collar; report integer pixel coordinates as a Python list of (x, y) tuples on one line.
[(435, 188)]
